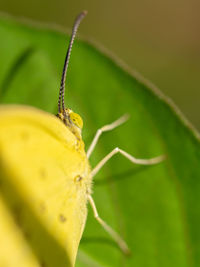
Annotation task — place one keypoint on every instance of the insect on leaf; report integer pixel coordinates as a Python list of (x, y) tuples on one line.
[(154, 208)]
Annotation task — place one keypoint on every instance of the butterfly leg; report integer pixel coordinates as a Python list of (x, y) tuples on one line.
[(121, 243), (105, 128), (115, 236), (128, 156)]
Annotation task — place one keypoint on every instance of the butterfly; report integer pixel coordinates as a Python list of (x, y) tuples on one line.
[(46, 179)]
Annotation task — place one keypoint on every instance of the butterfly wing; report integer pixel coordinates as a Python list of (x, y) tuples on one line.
[(44, 178)]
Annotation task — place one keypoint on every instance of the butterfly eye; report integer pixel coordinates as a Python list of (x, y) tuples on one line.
[(76, 119)]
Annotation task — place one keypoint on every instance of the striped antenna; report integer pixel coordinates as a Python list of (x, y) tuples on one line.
[(61, 100)]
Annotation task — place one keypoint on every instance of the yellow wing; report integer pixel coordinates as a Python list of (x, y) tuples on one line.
[(44, 177), (14, 250)]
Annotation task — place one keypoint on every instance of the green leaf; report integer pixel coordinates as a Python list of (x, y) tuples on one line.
[(155, 209)]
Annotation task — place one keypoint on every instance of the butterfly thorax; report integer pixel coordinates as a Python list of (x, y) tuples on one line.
[(73, 121)]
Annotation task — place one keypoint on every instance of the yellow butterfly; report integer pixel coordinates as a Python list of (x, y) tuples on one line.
[(46, 180)]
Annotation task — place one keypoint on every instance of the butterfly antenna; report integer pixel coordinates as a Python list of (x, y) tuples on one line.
[(61, 100)]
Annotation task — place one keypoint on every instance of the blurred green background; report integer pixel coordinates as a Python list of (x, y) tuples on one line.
[(159, 39)]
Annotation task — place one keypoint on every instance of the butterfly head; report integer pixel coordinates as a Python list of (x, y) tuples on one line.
[(72, 120)]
